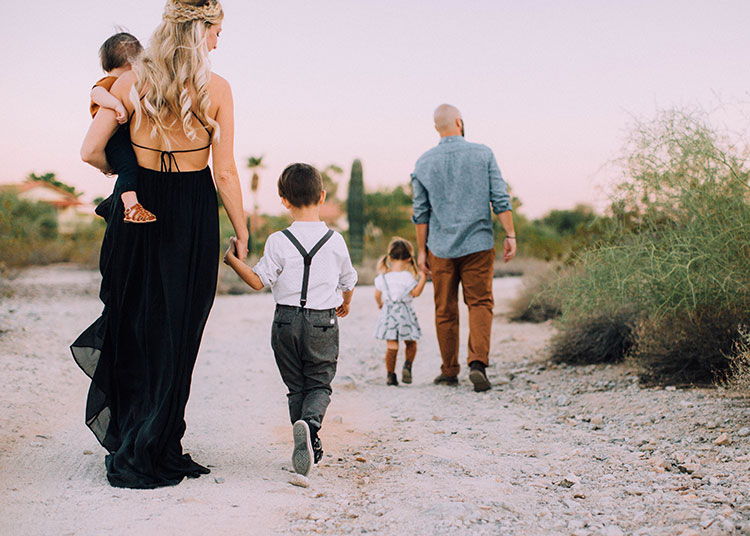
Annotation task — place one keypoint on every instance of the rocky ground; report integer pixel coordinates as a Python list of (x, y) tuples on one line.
[(549, 450)]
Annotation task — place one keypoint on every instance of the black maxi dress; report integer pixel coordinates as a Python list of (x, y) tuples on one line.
[(158, 286)]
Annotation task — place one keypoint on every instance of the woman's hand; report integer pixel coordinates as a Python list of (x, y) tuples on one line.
[(240, 247)]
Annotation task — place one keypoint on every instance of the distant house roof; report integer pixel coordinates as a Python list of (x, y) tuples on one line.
[(43, 192)]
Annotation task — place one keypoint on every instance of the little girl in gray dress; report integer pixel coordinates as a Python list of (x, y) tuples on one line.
[(395, 288)]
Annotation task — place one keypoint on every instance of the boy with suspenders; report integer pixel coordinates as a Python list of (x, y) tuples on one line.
[(308, 269)]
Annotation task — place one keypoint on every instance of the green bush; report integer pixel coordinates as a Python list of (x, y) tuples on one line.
[(388, 214), (678, 248), (557, 235), (29, 236), (21, 219)]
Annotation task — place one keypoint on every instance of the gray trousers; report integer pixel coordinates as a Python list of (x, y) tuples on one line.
[(305, 344)]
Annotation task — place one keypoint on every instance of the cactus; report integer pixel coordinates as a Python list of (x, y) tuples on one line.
[(254, 163), (355, 208)]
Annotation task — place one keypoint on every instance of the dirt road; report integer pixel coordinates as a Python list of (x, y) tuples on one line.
[(572, 451)]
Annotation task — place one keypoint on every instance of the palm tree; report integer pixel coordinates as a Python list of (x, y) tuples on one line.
[(254, 163), (329, 184)]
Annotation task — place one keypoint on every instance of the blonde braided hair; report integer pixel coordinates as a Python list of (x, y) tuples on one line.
[(173, 73), (178, 12)]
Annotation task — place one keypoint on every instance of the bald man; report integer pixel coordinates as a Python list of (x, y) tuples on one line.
[(455, 184)]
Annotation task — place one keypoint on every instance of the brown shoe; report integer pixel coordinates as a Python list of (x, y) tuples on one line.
[(391, 379), (406, 372), (478, 377), (445, 380), (138, 214)]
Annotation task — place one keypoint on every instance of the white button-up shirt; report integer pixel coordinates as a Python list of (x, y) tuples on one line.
[(281, 268)]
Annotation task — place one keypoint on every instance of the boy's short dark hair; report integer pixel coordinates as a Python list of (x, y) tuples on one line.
[(301, 185), (119, 50)]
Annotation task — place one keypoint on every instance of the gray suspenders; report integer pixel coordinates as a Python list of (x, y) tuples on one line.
[(307, 258)]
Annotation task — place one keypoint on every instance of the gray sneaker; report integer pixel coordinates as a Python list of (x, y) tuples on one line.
[(302, 455)]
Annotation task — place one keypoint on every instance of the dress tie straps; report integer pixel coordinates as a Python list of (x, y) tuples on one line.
[(167, 159)]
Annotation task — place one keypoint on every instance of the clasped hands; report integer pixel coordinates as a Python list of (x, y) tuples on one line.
[(237, 249)]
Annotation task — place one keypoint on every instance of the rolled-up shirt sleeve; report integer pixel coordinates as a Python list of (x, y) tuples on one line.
[(421, 202), (268, 267), (347, 274), (499, 196)]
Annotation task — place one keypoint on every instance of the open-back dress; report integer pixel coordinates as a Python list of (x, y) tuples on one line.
[(158, 286)]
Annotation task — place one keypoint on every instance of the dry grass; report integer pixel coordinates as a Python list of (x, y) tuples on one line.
[(538, 300), (603, 338), (687, 350), (739, 363)]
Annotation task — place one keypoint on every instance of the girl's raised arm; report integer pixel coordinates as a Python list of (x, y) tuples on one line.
[(101, 129), (103, 126)]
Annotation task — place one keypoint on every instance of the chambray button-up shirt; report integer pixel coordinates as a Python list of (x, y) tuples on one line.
[(454, 185)]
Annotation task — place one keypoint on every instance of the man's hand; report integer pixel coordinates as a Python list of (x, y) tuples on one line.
[(509, 249), (342, 310), (424, 266)]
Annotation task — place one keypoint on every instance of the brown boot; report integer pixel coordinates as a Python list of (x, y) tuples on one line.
[(478, 377), (445, 380), (406, 372)]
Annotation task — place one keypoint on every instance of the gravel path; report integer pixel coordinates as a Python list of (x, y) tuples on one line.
[(570, 451)]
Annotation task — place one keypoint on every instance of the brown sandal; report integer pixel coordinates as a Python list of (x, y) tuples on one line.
[(138, 214)]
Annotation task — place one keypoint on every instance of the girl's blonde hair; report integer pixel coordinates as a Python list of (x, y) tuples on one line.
[(172, 74), (399, 250)]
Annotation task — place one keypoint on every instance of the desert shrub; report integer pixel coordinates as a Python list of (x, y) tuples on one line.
[(387, 214), (83, 246), (29, 236), (20, 220), (557, 235), (739, 362), (678, 251), (230, 283), (268, 224), (684, 349), (570, 222), (598, 338), (537, 300)]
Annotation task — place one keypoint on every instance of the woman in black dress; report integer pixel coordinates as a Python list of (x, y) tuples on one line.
[(159, 280)]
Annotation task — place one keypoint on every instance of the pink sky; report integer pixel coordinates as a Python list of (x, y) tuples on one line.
[(550, 86)]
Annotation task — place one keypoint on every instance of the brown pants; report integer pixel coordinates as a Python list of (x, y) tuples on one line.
[(474, 272)]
